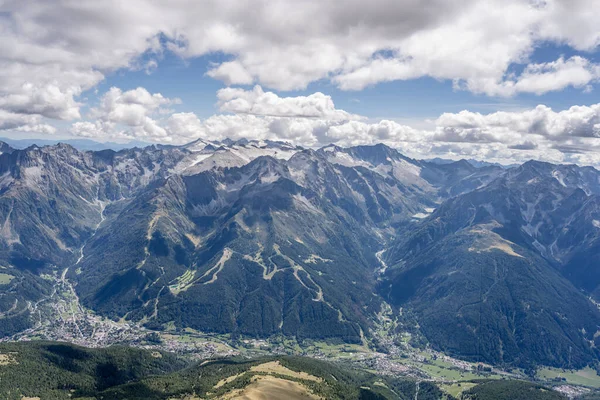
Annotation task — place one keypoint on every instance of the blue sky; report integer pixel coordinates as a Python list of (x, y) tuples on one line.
[(499, 80)]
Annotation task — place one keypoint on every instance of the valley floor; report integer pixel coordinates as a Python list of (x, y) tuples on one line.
[(61, 317)]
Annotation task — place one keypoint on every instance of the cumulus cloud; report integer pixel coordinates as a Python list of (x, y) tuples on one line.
[(132, 109), (541, 78), (37, 128), (259, 102), (46, 100), (571, 135), (184, 126), (526, 145), (577, 121), (24, 123), (231, 73), (96, 130), (54, 50)]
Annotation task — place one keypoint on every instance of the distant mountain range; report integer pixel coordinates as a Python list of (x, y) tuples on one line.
[(262, 238), (80, 144), (475, 163)]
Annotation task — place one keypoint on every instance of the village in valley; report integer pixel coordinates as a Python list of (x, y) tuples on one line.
[(61, 317)]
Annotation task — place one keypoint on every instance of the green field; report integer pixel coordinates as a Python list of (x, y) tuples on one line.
[(439, 368), (183, 282), (585, 377), (220, 342), (5, 278), (456, 389), (343, 350)]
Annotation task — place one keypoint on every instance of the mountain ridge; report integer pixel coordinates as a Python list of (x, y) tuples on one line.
[(263, 238)]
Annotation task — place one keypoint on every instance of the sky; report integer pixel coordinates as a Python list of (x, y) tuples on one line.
[(496, 80)]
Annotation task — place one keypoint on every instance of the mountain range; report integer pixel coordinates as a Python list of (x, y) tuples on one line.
[(80, 144), (261, 238)]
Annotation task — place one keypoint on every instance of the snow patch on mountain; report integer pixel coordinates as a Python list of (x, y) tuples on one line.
[(6, 179), (200, 144), (330, 149), (401, 169), (198, 158), (269, 177), (33, 175), (347, 160), (408, 173), (559, 177), (219, 159), (253, 151), (420, 215), (209, 155)]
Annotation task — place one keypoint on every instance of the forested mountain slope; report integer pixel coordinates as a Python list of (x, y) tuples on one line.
[(265, 238)]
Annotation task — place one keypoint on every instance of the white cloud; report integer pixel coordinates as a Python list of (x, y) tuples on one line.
[(133, 109), (541, 78), (23, 122), (573, 23), (375, 71), (127, 115), (52, 51), (571, 135), (477, 48), (95, 130), (37, 128), (577, 121), (258, 102), (46, 100), (185, 126), (557, 75), (231, 73)]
